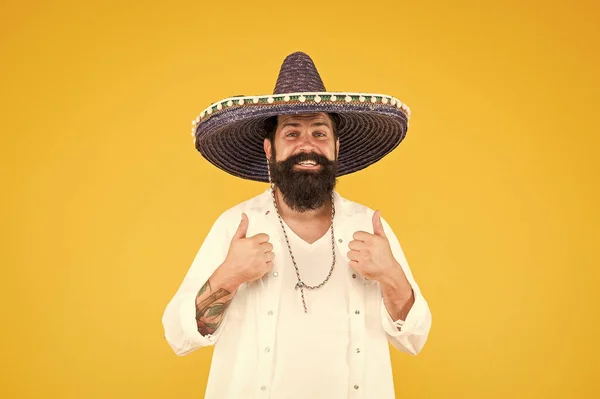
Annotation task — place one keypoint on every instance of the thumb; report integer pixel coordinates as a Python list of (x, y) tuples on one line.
[(242, 228), (377, 225)]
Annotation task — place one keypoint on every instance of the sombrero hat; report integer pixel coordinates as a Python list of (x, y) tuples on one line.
[(230, 132)]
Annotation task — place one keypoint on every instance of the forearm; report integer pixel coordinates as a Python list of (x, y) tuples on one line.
[(213, 299), (397, 292)]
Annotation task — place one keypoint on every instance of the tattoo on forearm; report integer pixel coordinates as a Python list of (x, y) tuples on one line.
[(210, 308)]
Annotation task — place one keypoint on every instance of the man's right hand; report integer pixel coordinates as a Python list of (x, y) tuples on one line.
[(249, 258)]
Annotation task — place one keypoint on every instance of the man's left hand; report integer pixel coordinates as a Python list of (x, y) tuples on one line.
[(372, 257), (371, 254)]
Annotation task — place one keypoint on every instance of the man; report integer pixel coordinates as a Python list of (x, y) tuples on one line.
[(299, 289)]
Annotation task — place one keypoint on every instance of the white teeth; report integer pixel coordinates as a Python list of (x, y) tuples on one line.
[(307, 163)]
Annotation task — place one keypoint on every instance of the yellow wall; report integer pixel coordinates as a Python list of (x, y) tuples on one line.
[(494, 194)]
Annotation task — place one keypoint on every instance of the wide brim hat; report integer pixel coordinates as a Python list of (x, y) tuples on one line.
[(230, 133)]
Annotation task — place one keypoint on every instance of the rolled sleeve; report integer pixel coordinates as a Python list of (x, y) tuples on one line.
[(408, 335), (181, 330)]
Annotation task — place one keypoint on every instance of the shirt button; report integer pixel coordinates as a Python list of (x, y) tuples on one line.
[(356, 387), (357, 311), (267, 349), (340, 241), (270, 313), (353, 275), (264, 388), (275, 274), (357, 350)]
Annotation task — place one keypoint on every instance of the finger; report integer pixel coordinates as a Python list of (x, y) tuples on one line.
[(261, 238), (242, 228), (362, 236), (353, 264), (353, 255), (269, 256), (377, 225), (357, 245), (266, 246)]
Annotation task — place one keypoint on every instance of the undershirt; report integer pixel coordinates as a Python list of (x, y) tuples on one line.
[(311, 349)]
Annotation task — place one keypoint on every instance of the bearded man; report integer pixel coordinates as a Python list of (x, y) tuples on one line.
[(299, 289)]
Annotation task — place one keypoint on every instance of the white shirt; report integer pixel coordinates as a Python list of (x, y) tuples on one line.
[(254, 343)]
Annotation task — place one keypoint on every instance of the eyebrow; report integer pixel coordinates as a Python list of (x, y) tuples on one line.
[(296, 124)]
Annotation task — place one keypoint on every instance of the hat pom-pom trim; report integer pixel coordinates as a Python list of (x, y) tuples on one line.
[(299, 98)]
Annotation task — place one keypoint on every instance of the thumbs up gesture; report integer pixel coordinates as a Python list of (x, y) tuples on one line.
[(248, 258), (371, 254)]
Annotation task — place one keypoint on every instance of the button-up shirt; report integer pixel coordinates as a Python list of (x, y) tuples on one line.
[(244, 362)]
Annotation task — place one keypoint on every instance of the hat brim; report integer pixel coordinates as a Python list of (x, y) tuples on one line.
[(230, 134)]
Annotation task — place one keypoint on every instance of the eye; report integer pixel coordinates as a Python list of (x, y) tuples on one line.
[(291, 134), (319, 134)]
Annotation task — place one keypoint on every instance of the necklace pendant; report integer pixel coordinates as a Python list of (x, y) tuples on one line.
[(299, 284)]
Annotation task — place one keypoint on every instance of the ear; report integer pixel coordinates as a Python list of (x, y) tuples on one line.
[(267, 147)]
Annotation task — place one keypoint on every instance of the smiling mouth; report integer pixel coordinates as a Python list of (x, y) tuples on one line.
[(307, 165)]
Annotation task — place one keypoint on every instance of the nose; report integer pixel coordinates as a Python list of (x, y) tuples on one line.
[(306, 143)]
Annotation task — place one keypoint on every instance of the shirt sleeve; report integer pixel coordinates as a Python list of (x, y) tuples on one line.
[(179, 317), (408, 335)]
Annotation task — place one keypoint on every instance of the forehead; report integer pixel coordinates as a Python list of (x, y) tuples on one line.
[(309, 119)]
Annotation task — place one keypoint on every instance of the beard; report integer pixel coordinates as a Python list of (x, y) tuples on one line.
[(304, 190)]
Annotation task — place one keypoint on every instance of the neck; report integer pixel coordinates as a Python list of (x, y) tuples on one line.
[(288, 213)]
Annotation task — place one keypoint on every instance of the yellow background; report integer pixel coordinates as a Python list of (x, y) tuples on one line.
[(493, 194)]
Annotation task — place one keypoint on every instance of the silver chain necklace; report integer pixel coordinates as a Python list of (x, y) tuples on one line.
[(301, 283)]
